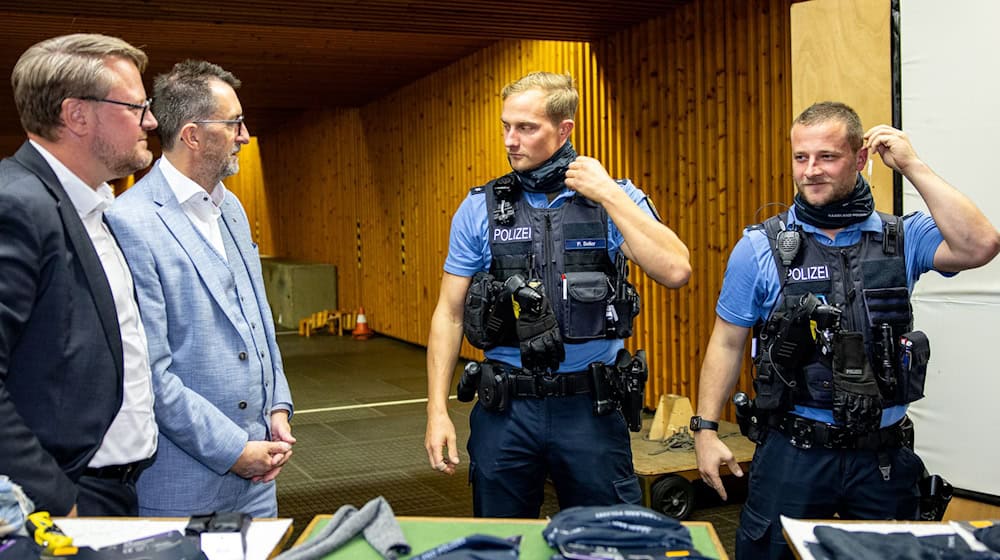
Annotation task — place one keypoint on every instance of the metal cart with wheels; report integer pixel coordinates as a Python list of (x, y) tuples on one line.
[(666, 476)]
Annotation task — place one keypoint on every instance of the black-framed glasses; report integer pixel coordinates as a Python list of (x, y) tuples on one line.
[(144, 106), (237, 122)]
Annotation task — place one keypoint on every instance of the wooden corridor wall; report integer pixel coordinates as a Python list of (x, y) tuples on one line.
[(693, 107)]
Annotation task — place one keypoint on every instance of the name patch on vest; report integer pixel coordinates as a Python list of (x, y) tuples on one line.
[(809, 273), (578, 244), (512, 234)]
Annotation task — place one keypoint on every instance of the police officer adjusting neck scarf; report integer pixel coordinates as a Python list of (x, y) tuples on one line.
[(855, 208), (549, 176)]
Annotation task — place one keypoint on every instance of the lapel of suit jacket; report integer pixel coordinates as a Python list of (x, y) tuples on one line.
[(233, 219), (93, 270), (209, 266)]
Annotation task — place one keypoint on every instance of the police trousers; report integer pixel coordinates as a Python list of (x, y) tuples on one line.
[(817, 483), (587, 457)]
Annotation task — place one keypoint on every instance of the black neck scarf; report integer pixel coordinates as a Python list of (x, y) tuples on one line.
[(549, 176), (855, 208)]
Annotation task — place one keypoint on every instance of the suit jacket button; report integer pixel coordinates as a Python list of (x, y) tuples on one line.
[(243, 355), (243, 405)]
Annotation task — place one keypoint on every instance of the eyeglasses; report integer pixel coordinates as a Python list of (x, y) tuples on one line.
[(237, 122), (137, 106)]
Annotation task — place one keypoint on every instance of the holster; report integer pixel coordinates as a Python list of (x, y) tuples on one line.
[(469, 382), (635, 372), (494, 388), (935, 494), (620, 386)]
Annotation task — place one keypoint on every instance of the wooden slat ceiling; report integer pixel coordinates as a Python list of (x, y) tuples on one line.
[(295, 55)]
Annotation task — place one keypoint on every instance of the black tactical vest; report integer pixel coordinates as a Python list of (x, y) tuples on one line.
[(868, 282), (567, 249)]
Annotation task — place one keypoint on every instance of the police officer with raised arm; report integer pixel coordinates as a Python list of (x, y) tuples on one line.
[(826, 289), (536, 276)]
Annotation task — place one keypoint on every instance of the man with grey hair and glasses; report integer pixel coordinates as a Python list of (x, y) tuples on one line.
[(222, 401), (76, 397)]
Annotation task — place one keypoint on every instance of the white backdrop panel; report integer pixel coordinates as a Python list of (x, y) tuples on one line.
[(951, 110)]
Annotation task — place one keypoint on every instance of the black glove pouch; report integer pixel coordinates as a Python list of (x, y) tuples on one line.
[(857, 404), (480, 322), (540, 342)]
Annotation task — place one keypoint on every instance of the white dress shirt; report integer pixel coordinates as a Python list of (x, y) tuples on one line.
[(201, 208), (132, 435)]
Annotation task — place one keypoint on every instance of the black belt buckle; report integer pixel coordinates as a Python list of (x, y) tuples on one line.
[(128, 470), (801, 433), (547, 385), (837, 438)]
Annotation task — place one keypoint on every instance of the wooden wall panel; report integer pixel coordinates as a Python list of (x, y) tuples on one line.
[(316, 173), (842, 52), (701, 103), (248, 186), (693, 107)]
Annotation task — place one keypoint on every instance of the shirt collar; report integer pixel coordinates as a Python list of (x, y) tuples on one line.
[(85, 199), (541, 200), (184, 188)]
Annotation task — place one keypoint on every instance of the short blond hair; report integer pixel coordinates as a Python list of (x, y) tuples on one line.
[(826, 111), (61, 68), (561, 97)]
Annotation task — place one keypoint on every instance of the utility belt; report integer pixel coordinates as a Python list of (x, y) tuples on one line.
[(618, 386), (524, 384), (805, 434)]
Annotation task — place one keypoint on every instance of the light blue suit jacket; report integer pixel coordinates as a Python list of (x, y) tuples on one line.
[(210, 395)]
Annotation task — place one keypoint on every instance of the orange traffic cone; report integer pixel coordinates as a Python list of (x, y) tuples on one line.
[(361, 330)]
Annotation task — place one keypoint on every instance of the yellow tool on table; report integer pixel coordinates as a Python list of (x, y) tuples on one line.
[(48, 534)]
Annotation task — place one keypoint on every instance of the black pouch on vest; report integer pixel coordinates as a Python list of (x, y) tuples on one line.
[(857, 404), (769, 388), (914, 353), (480, 321), (888, 305), (585, 299), (494, 389), (626, 307)]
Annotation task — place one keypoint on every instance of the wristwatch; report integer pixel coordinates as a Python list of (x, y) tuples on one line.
[(698, 423)]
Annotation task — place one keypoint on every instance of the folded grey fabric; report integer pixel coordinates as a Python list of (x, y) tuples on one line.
[(375, 520)]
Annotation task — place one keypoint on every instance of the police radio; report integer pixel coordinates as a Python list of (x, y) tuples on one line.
[(787, 243)]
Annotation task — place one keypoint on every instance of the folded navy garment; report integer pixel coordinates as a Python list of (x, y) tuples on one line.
[(990, 536), (620, 531), (837, 544), (475, 547)]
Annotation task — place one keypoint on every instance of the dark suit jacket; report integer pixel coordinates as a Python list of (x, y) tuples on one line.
[(60, 348)]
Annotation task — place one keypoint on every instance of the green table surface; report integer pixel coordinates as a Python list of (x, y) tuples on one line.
[(424, 533)]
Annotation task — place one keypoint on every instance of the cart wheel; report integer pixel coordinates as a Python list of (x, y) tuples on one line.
[(673, 496)]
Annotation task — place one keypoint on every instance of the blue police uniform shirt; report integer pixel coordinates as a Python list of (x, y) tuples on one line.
[(751, 285), (469, 252)]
